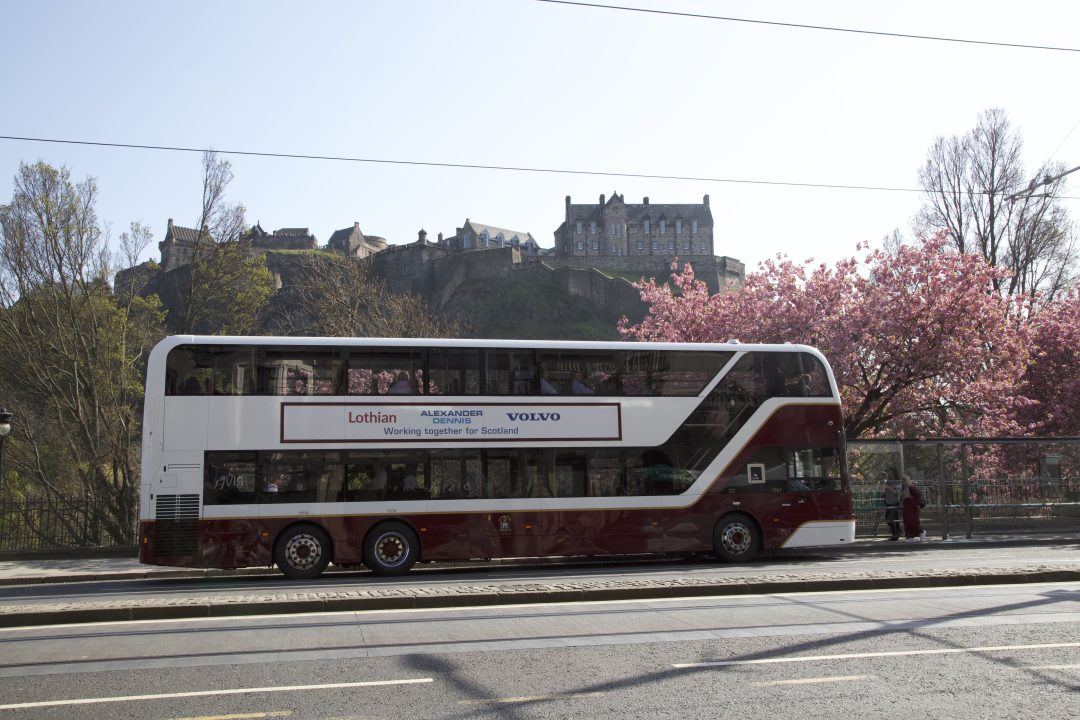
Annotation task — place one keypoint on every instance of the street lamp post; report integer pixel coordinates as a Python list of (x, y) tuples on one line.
[(5, 430)]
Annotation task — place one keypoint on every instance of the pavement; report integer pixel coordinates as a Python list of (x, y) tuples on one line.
[(46, 592), (28, 569)]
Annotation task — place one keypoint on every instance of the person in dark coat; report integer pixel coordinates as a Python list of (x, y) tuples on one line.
[(911, 498), (890, 491)]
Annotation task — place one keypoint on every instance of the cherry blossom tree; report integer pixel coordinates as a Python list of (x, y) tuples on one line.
[(919, 342), (1052, 380)]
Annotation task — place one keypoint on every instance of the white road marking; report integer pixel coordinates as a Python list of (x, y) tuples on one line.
[(242, 716), (210, 693), (529, 698), (639, 601), (815, 680), (891, 653)]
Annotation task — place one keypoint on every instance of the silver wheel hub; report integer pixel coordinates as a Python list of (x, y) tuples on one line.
[(391, 549), (303, 551), (736, 538)]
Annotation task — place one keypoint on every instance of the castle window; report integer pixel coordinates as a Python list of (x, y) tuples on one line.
[(655, 245), (640, 244), (596, 246), (467, 242), (578, 227), (592, 227), (614, 249), (671, 245), (646, 226), (618, 231), (704, 247), (612, 231), (663, 226), (678, 225), (580, 246), (688, 246), (693, 227)]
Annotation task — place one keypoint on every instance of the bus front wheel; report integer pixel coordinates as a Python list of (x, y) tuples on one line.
[(736, 538), (391, 549), (302, 552)]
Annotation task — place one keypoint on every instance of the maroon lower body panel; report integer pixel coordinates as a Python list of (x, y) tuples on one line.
[(240, 542), (237, 543)]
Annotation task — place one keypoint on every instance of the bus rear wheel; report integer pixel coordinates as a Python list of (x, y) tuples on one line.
[(736, 538), (391, 549), (302, 552)]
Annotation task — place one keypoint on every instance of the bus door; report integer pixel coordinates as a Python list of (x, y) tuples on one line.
[(609, 506), (772, 488), (569, 528), (822, 469), (515, 476)]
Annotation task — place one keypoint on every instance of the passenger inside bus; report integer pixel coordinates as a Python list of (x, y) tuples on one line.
[(546, 388), (577, 384), (402, 385)]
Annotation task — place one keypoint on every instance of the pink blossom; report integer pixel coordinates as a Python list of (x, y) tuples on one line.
[(920, 343)]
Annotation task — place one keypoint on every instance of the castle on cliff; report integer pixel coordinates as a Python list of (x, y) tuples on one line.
[(600, 249)]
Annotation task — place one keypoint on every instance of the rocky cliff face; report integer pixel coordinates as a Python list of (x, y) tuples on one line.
[(493, 291)]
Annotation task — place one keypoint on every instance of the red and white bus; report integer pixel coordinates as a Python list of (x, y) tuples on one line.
[(383, 452)]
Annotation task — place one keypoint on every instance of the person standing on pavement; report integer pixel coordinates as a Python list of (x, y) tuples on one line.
[(912, 499), (890, 491)]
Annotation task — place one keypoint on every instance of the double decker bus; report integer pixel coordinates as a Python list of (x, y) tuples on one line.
[(384, 452)]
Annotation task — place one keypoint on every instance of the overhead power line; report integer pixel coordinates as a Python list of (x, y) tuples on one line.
[(803, 26), (468, 166), (465, 166)]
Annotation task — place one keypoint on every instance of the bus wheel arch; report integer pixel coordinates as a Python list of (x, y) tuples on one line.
[(737, 537), (391, 547), (302, 550)]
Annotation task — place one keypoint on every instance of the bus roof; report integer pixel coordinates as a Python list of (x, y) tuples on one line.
[(273, 340)]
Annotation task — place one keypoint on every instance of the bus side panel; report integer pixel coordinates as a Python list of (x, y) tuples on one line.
[(615, 531), (780, 514)]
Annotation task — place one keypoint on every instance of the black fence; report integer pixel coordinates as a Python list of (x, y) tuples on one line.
[(972, 486), (47, 524), (980, 507)]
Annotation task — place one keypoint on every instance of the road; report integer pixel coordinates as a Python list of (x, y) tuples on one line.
[(973, 652), (792, 565)]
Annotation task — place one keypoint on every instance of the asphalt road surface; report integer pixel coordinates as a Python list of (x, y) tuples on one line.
[(974, 652), (786, 565)]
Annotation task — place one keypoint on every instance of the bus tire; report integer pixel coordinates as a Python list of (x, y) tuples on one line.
[(391, 548), (302, 552), (736, 538)]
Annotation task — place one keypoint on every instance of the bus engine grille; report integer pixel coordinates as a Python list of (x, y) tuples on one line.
[(177, 525)]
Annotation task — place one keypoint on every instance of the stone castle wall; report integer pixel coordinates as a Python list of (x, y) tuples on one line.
[(717, 272)]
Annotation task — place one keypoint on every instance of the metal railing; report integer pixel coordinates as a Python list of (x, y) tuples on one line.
[(46, 524), (979, 506)]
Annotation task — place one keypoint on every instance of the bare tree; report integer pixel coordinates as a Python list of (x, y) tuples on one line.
[(132, 244), (71, 351), (217, 256), (974, 190), (892, 242), (337, 296)]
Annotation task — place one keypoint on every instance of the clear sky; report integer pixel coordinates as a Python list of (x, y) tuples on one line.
[(518, 82)]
